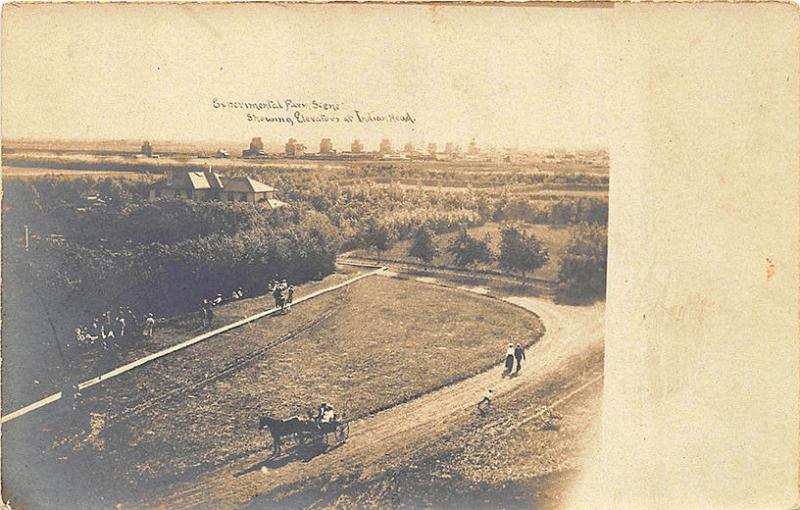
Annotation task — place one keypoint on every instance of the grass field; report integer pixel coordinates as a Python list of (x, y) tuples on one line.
[(554, 238), (28, 340), (379, 343)]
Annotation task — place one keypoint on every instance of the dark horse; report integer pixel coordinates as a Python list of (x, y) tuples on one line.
[(288, 427)]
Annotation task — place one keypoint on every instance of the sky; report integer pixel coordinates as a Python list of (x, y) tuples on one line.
[(521, 76)]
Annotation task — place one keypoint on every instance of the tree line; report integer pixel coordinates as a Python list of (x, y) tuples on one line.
[(582, 270), (170, 253)]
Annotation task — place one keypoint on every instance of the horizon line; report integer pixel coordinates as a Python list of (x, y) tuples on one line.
[(9, 140)]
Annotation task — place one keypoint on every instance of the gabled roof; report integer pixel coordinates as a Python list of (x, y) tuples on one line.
[(198, 180), (192, 180), (246, 185), (214, 180)]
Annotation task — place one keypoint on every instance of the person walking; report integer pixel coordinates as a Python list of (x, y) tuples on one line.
[(106, 329), (120, 323), (94, 332), (149, 325), (519, 355), (486, 402), (201, 312), (509, 359), (277, 294), (205, 309), (289, 297), (209, 312), (108, 356)]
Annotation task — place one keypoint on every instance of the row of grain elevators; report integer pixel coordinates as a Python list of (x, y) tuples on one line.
[(295, 149)]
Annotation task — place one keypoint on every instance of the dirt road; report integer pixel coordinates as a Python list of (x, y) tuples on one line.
[(570, 331)]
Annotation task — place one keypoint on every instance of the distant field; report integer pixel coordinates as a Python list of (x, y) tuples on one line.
[(554, 238), (114, 157), (26, 172)]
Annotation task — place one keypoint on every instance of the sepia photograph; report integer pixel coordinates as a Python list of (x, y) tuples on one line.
[(349, 256)]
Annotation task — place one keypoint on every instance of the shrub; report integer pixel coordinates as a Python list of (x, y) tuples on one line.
[(583, 266), (422, 246)]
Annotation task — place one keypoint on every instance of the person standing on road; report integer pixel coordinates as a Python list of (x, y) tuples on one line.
[(519, 354), (509, 359)]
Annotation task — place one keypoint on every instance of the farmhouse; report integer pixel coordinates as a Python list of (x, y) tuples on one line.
[(245, 189), (209, 185)]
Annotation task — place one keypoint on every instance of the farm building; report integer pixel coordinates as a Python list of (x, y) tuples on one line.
[(245, 189), (209, 185)]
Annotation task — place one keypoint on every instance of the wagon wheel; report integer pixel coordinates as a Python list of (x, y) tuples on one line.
[(322, 439), (303, 438)]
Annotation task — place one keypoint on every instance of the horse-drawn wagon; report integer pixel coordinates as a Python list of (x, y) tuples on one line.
[(306, 432)]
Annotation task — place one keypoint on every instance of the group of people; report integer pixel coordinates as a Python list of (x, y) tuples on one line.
[(283, 293), (207, 306), (113, 327), (513, 353)]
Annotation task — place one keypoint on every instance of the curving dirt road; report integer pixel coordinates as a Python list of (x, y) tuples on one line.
[(570, 331)]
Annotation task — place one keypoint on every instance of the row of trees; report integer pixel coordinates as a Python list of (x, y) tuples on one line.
[(519, 252), (582, 270), (561, 211)]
